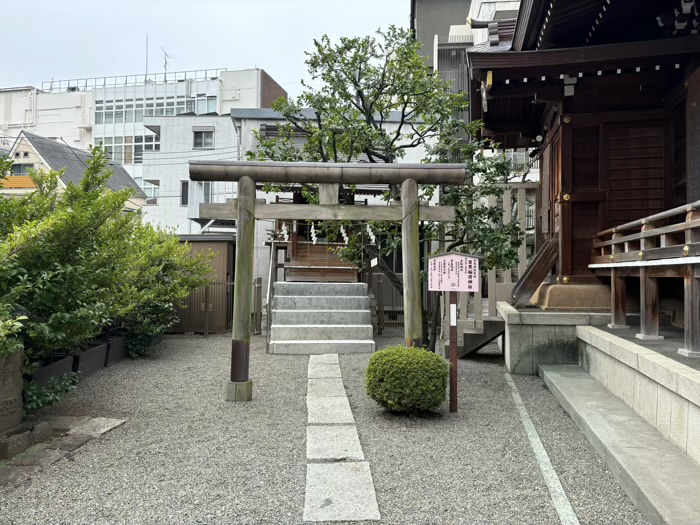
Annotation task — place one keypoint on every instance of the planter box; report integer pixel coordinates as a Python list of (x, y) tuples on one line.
[(157, 339), (90, 361), (11, 390), (61, 366), (116, 351)]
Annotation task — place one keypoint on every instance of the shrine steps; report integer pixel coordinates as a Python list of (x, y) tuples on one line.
[(320, 318)]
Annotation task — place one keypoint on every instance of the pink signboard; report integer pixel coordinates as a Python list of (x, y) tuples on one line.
[(453, 272)]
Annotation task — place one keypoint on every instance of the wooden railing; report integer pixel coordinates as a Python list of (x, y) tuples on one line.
[(473, 308), (663, 245)]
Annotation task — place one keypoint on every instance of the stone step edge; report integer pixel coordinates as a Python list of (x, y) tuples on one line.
[(322, 341), (320, 325), (663, 493), (324, 311), (323, 296)]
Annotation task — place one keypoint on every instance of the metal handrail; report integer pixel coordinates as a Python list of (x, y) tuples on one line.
[(270, 292)]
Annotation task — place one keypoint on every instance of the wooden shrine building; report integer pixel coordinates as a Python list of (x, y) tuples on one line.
[(609, 94)]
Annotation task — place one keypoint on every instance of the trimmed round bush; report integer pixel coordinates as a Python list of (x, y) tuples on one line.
[(405, 379)]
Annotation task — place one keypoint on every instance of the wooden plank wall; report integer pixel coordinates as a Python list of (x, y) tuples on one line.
[(636, 162)]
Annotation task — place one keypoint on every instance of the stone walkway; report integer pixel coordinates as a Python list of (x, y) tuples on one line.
[(184, 456), (342, 490)]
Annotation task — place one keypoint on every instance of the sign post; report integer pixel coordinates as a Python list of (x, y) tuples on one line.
[(453, 273)]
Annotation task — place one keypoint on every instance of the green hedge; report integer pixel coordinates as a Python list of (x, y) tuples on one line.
[(405, 379)]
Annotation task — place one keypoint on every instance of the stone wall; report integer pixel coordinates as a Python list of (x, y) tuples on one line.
[(536, 338), (664, 392)]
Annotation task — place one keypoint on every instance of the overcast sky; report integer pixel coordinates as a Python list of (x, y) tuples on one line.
[(66, 39)]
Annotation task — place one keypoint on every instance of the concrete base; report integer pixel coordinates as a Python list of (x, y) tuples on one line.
[(645, 337), (662, 391), (239, 391), (660, 480), (534, 338), (572, 297), (688, 353)]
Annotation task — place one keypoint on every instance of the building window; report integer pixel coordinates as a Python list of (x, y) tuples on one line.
[(21, 169), (203, 139), (17, 154), (206, 192), (184, 192), (151, 188)]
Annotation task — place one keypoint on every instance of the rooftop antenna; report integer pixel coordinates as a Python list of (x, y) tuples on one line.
[(166, 57), (146, 73)]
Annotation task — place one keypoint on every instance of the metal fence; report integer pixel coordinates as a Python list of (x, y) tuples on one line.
[(209, 310)]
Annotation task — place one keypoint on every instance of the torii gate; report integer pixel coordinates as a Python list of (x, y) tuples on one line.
[(328, 176)]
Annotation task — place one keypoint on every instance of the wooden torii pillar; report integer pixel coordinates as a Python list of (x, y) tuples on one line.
[(329, 176)]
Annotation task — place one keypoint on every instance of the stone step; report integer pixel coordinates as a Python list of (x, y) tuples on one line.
[(320, 332), (321, 302), (659, 478), (343, 346), (327, 317), (320, 289)]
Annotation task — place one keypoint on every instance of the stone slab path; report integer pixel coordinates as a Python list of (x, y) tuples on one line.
[(339, 484)]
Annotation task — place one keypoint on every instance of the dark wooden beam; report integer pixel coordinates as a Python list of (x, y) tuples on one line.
[(320, 172), (672, 48)]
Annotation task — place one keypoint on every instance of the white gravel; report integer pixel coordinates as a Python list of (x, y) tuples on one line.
[(184, 456)]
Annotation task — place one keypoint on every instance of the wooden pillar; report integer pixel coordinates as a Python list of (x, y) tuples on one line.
[(413, 329), (618, 293), (649, 298), (566, 225), (692, 289), (240, 387), (691, 312)]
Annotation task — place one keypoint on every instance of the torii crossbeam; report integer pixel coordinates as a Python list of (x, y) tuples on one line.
[(329, 176)]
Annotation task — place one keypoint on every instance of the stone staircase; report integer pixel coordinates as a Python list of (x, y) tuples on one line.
[(320, 318)]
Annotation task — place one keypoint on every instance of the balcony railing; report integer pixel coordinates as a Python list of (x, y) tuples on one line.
[(664, 245)]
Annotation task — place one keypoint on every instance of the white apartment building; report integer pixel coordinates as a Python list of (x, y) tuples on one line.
[(173, 200), (111, 110)]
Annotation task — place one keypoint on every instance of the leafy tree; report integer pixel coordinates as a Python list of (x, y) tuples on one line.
[(73, 262), (343, 115)]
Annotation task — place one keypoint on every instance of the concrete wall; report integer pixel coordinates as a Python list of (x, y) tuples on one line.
[(240, 89), (170, 167), (536, 338), (664, 392), (434, 17), (67, 115)]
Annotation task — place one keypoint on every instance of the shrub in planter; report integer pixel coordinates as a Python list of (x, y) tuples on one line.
[(407, 379)]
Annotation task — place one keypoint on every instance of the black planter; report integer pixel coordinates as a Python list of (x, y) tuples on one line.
[(157, 339), (91, 360), (116, 350), (62, 365)]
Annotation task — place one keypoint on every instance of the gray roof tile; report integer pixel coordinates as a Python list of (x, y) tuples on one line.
[(61, 156)]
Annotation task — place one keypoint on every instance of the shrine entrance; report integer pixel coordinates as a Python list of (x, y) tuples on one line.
[(329, 177)]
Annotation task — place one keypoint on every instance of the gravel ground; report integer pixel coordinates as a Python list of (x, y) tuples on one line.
[(595, 495), (184, 456), (476, 466)]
